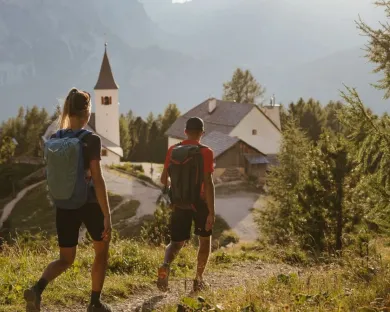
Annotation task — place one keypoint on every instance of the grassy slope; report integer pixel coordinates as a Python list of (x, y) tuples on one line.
[(343, 285), (18, 172), (34, 213), (132, 268), (349, 285)]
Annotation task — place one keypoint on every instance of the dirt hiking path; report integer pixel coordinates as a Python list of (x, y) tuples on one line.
[(153, 299)]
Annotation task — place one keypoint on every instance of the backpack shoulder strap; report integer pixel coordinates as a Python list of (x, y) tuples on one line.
[(82, 134), (58, 134)]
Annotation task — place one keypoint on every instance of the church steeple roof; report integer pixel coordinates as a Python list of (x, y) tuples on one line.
[(106, 80)]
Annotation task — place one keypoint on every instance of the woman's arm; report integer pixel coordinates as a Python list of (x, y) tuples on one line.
[(100, 186), (102, 197)]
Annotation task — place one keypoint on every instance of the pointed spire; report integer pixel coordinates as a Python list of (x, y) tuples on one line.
[(106, 79)]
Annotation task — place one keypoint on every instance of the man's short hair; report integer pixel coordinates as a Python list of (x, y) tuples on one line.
[(195, 124)]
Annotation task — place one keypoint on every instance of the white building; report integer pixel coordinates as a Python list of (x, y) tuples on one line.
[(105, 121), (243, 136)]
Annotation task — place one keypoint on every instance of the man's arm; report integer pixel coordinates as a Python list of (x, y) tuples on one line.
[(209, 192), (164, 177)]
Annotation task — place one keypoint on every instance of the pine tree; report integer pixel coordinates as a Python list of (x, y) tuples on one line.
[(124, 136), (150, 119), (7, 150), (243, 88), (369, 137), (171, 113), (132, 133), (154, 151), (27, 128), (378, 47), (332, 111), (307, 191), (310, 115), (140, 152)]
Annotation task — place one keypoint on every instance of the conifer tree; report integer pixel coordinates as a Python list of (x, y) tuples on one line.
[(243, 88)]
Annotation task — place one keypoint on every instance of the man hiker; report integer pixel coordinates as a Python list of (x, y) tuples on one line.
[(188, 172)]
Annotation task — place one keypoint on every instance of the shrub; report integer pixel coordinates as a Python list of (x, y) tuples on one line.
[(157, 230), (228, 237), (139, 168), (128, 167)]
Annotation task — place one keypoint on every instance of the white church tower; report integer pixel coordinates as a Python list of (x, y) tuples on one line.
[(107, 103)]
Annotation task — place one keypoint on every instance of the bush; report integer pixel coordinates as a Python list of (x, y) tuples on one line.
[(157, 230), (128, 167), (228, 237), (139, 168)]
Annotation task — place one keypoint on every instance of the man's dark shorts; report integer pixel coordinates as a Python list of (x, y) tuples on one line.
[(181, 223), (68, 223)]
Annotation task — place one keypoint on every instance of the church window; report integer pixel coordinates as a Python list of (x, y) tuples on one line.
[(104, 152), (254, 132), (106, 100)]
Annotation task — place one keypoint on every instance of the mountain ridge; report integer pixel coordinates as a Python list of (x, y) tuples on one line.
[(48, 47)]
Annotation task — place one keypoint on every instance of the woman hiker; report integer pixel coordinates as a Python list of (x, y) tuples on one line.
[(78, 190)]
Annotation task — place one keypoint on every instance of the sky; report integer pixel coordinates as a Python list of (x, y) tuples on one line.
[(180, 1)]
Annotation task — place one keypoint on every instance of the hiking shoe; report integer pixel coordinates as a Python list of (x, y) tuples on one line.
[(102, 307), (33, 300), (163, 275), (200, 285)]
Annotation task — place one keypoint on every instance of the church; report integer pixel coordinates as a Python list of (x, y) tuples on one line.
[(105, 121)]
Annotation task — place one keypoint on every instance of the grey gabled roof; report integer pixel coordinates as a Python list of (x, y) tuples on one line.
[(92, 121), (219, 142), (225, 117), (254, 159)]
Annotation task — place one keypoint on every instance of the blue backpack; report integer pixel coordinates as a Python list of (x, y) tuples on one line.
[(65, 172)]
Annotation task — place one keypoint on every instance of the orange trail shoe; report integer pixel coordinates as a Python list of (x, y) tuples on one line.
[(163, 275)]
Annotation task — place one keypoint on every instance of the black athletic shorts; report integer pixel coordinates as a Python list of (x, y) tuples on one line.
[(68, 223), (181, 222)]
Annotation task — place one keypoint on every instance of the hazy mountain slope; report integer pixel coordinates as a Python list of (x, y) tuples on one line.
[(51, 46), (47, 47), (325, 77), (264, 31)]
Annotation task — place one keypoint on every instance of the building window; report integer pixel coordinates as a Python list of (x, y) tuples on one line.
[(106, 100), (254, 132), (104, 152)]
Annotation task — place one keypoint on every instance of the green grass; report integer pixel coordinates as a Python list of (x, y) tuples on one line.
[(347, 284), (132, 267), (34, 212)]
